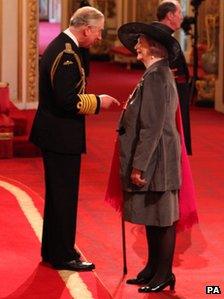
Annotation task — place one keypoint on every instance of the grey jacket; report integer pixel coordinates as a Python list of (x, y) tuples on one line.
[(149, 140)]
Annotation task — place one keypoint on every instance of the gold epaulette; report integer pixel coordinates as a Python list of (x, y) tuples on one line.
[(68, 50), (87, 104)]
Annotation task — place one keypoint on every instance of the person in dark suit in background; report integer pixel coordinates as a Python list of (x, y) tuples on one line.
[(59, 130), (170, 17)]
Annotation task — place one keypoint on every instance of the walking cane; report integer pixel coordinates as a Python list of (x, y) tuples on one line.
[(125, 270)]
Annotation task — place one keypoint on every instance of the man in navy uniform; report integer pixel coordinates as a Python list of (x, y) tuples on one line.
[(170, 17), (59, 130)]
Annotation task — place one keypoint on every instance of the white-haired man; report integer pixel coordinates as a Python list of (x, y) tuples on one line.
[(59, 130)]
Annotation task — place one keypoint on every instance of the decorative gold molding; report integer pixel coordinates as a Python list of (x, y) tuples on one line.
[(32, 50), (146, 10), (1, 23), (20, 51), (67, 9)]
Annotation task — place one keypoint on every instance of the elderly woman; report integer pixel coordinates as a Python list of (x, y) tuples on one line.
[(150, 154)]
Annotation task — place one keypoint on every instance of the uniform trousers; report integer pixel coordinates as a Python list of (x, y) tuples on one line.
[(62, 172)]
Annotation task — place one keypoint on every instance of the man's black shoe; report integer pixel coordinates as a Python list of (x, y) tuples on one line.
[(74, 265)]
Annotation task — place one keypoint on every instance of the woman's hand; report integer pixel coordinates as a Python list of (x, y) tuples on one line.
[(136, 178)]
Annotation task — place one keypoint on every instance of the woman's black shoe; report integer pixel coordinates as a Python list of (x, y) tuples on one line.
[(139, 281), (159, 287)]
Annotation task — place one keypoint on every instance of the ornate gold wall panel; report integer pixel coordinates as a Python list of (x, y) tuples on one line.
[(67, 7), (146, 10), (207, 7), (219, 95), (20, 51), (32, 50)]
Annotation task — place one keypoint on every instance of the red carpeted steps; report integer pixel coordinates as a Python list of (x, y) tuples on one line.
[(22, 125)]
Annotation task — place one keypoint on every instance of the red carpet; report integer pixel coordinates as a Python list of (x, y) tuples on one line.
[(22, 275), (47, 32), (199, 252)]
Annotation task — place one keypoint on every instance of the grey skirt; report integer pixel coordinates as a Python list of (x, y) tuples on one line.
[(151, 208)]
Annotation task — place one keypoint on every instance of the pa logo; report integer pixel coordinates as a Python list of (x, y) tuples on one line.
[(213, 290)]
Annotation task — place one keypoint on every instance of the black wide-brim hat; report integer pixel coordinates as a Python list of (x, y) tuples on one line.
[(129, 33)]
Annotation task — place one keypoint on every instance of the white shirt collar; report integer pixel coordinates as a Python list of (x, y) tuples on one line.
[(68, 32)]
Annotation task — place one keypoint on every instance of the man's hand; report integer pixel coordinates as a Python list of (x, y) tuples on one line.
[(136, 178), (107, 101)]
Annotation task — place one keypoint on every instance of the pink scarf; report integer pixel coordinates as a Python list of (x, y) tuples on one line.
[(187, 205)]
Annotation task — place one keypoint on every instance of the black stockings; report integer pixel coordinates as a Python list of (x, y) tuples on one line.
[(161, 245)]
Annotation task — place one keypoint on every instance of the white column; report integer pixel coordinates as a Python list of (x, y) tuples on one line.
[(19, 50), (54, 11), (126, 3), (9, 46), (119, 11)]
